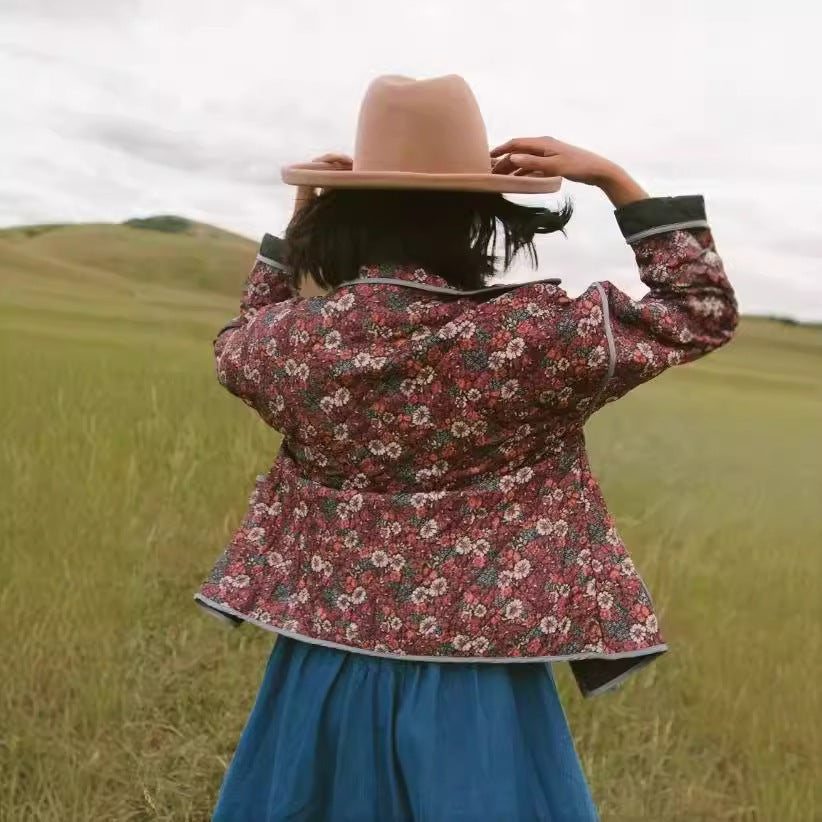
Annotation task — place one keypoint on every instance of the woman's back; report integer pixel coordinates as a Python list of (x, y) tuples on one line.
[(433, 453)]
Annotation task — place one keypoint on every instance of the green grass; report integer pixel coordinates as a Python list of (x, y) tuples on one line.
[(126, 467)]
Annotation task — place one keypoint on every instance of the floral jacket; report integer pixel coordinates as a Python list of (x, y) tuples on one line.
[(432, 498)]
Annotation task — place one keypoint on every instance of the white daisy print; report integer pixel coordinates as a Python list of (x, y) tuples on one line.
[(421, 415), (515, 348), (429, 529), (428, 625), (522, 569), (419, 595), (438, 587), (460, 429)]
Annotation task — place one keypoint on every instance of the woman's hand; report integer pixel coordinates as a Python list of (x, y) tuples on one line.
[(305, 194), (546, 157)]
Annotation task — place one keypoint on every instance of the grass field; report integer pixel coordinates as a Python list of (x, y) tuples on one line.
[(126, 466)]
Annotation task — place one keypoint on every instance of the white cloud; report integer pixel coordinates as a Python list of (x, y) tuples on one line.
[(122, 108)]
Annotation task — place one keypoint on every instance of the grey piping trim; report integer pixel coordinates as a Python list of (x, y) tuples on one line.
[(225, 619), (238, 323), (661, 229), (207, 603), (436, 289), (273, 263), (613, 684), (609, 336)]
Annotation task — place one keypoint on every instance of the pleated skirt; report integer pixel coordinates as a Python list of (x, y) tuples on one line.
[(335, 736)]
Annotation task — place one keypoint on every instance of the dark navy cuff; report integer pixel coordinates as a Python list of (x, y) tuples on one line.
[(273, 248), (657, 215)]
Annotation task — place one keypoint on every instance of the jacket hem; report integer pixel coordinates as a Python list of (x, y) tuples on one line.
[(225, 613), (617, 682)]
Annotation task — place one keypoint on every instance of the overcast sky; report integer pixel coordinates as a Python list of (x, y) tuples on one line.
[(120, 108)]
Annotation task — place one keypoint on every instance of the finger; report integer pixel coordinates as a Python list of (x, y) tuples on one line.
[(547, 166), (342, 160), (523, 172), (304, 195), (502, 166), (531, 145), (505, 166)]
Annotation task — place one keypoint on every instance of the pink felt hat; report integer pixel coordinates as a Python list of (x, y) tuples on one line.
[(419, 134)]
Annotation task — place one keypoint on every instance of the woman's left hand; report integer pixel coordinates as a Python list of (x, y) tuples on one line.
[(305, 194)]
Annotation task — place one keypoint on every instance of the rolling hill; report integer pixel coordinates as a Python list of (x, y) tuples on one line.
[(170, 270), (162, 271), (190, 255)]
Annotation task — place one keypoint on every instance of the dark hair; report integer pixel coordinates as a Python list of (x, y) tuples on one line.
[(449, 233)]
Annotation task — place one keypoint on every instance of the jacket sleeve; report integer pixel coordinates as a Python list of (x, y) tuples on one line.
[(242, 348), (690, 308)]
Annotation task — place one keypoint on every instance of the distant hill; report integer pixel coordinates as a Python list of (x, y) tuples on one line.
[(166, 250)]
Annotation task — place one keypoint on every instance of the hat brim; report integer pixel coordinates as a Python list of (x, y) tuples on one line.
[(321, 175)]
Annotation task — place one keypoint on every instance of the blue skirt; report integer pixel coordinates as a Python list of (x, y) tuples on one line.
[(343, 737)]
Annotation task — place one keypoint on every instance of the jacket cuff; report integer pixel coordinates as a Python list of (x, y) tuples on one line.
[(657, 215), (272, 251)]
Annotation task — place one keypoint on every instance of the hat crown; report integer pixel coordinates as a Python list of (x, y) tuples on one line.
[(423, 126)]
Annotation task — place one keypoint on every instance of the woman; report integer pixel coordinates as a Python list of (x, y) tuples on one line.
[(431, 538)]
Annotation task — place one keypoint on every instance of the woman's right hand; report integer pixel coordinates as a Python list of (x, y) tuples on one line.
[(305, 194), (547, 157)]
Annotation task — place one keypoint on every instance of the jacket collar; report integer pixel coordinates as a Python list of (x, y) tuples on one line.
[(403, 272), (420, 275)]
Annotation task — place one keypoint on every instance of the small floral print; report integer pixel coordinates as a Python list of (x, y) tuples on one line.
[(460, 429), (522, 569), (432, 496), (429, 529), (524, 475), (638, 633), (464, 545), (480, 645), (438, 587), (419, 595), (507, 483), (421, 415), (428, 625), (605, 600)]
